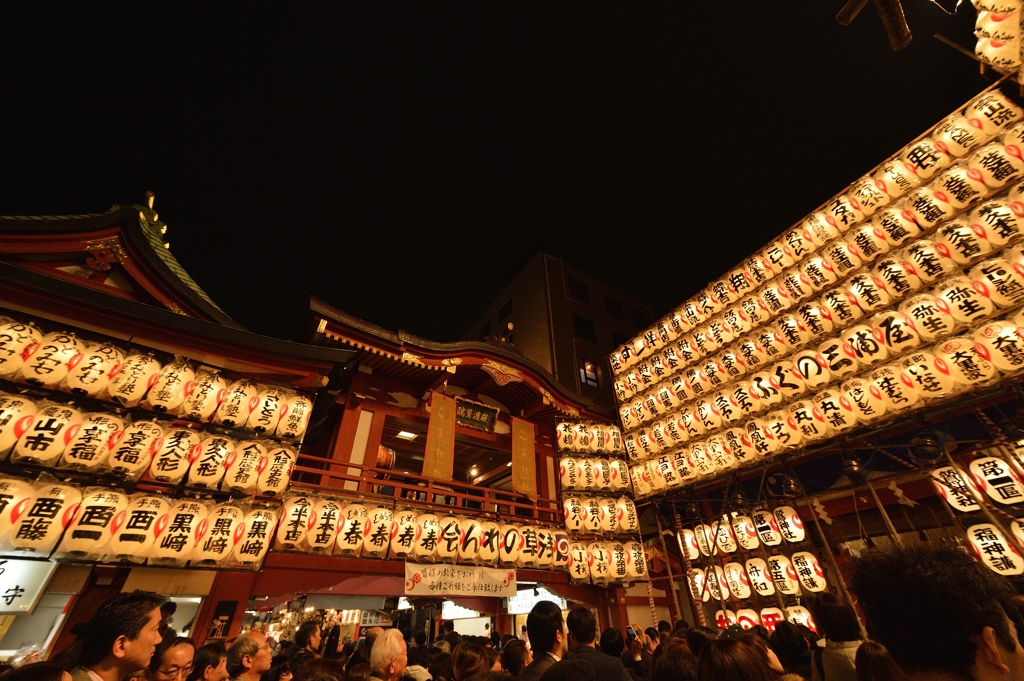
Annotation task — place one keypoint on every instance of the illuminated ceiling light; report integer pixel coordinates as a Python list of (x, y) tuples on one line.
[(509, 464), (406, 435), (472, 471)]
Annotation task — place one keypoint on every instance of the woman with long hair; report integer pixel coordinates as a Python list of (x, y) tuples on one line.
[(874, 663), (467, 659)]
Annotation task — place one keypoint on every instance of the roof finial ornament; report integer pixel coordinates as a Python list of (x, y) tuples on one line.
[(150, 198)]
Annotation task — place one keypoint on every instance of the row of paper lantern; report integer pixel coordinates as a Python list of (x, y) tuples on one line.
[(933, 372), (332, 526), (596, 515), (604, 563), (997, 29), (760, 577), (768, 618), (60, 360), (729, 533), (61, 436), (588, 438), (610, 475), (992, 476), (935, 195), (112, 525), (994, 283), (956, 302)]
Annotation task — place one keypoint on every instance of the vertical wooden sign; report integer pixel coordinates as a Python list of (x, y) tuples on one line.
[(439, 457), (524, 459)]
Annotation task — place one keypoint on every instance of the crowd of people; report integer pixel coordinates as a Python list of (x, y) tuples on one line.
[(929, 613)]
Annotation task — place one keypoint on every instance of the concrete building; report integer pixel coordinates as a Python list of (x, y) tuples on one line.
[(564, 319)]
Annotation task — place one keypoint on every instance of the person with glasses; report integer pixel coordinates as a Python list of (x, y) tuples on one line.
[(172, 660), (248, 657)]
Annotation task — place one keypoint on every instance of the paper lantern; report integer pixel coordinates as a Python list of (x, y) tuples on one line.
[(635, 561), (870, 241), (258, 528), (784, 429), (798, 614), (568, 473), (295, 413), (274, 479), (561, 551), (927, 208), (91, 374), (955, 488), (992, 111), (844, 212), (767, 527), (47, 363), (932, 377), (89, 448), (931, 261), (812, 367), (205, 395), (609, 515), (956, 136), (741, 446), (704, 465), (171, 461), (790, 383), (586, 478), (868, 346), (930, 315), (744, 532), (705, 536), (138, 373), (297, 519), (350, 534), (690, 545), (840, 358), (628, 521), (641, 485), (998, 222), (896, 386), (809, 572), (725, 618), (599, 558), (181, 532), (93, 525), (38, 526), (867, 292), (630, 444), (545, 548), (243, 466), (628, 420), (761, 438), (999, 280), (236, 407), (266, 409), (891, 276), (760, 579), (216, 535), (699, 589), (470, 536), (207, 468), (725, 538), (697, 381), (1000, 343), (46, 434), (816, 318), (564, 435), (784, 575), (997, 163), (708, 414), (404, 533), (136, 528), (896, 330), (511, 545), (997, 479), (16, 497), (770, 617), (377, 532), (16, 412), (836, 409), (737, 581), (840, 308), (747, 618), (789, 524), (959, 187), (619, 473), (897, 224), (866, 399), (171, 386), (529, 551), (720, 453), (992, 549), (17, 341), (131, 449), (579, 571), (844, 257), (614, 442), (966, 360), (691, 424), (963, 240), (592, 518)]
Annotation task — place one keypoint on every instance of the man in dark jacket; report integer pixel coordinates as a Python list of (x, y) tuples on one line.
[(582, 627), (548, 638)]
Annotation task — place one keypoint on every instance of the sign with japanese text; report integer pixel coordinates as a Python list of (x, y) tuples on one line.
[(439, 457), (458, 580), (524, 459), (475, 415), (22, 583)]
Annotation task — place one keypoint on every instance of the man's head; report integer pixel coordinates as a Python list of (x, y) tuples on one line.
[(172, 661), (514, 657), (249, 656), (546, 629), (835, 619), (371, 636), (388, 655), (939, 611), (664, 626), (124, 632), (611, 642), (420, 638), (308, 636), (582, 626), (166, 611), (449, 625)]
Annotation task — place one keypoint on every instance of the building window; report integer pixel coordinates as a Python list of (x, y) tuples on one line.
[(485, 330), (588, 374), (584, 328), (505, 310), (639, 319), (577, 290), (614, 308), (618, 339)]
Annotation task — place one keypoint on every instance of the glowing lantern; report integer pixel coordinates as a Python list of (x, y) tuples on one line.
[(784, 575), (836, 408), (747, 618), (564, 435), (1001, 344), (760, 579), (297, 519), (842, 311), (545, 548), (207, 467), (579, 571), (790, 382), (812, 368), (931, 316), (511, 545), (761, 438), (997, 479), (17, 496), (898, 276), (840, 358), (350, 533), (216, 535), (965, 362), (252, 543), (528, 554), (745, 534), (137, 375), (491, 543), (568, 474), (48, 362), (619, 473), (896, 330), (631, 445), (705, 539), (17, 340), (616, 563), (867, 292), (997, 163), (963, 240), (132, 448), (561, 551), (806, 418), (599, 558), (266, 409), (789, 524), (897, 388), (243, 467), (798, 614), (737, 581), (627, 519), (992, 111), (641, 485), (45, 435), (808, 569), (205, 395), (867, 345), (137, 527), (720, 453), (93, 525), (956, 488), (725, 619), (927, 208), (998, 222), (895, 178), (91, 375), (377, 532), (871, 242), (1000, 280), (179, 447), (171, 386), (725, 538), (38, 526), (703, 463), (181, 527), (89, 448), (898, 225), (236, 407), (740, 444), (932, 376), (866, 399), (602, 474), (274, 479), (609, 515), (767, 527), (403, 533), (770, 617), (16, 412), (959, 187), (699, 585), (322, 537), (636, 561), (690, 545), (931, 261), (784, 429), (585, 474), (992, 549), (592, 518), (956, 136), (816, 318)]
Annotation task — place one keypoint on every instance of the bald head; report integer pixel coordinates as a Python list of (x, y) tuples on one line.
[(372, 634)]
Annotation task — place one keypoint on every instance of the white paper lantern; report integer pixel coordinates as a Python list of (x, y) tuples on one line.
[(927, 208), (784, 575), (37, 528), (932, 376), (809, 572), (897, 388), (699, 589), (16, 416), (490, 544), (592, 518), (609, 515), (530, 551), (91, 375), (746, 535), (760, 578), (138, 373), (377, 532), (844, 256), (997, 479), (770, 617), (205, 395), (898, 225), (136, 528), (274, 479), (574, 512), (839, 357), (179, 447), (244, 465), (840, 308), (896, 331), (720, 453), (767, 527), (132, 449), (998, 222), (350, 534), (812, 368), (635, 561), (627, 519), (761, 438), (267, 409), (725, 538), (208, 467), (17, 341), (965, 241), (844, 212), (258, 527), (705, 536), (90, 447), (93, 525), (956, 136), (704, 465), (992, 549), (798, 614), (868, 345), (959, 187), (403, 533), (967, 361), (997, 164), (784, 429), (955, 488), (46, 434), (16, 497), (871, 241), (546, 547), (690, 545), (816, 318), (186, 520), (789, 524), (512, 545), (836, 408), (638, 476), (737, 581), (237, 405), (992, 111), (586, 479), (931, 261), (47, 363), (297, 519), (568, 473), (326, 522), (218, 534), (564, 435), (599, 559), (740, 444), (171, 387), (999, 280), (1000, 343), (579, 571), (867, 292), (931, 316), (747, 618)]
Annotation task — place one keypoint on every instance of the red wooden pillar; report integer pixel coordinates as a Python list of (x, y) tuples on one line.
[(620, 614), (104, 582), (227, 587)]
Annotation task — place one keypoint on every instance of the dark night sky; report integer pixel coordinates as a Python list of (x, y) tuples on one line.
[(397, 160)]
